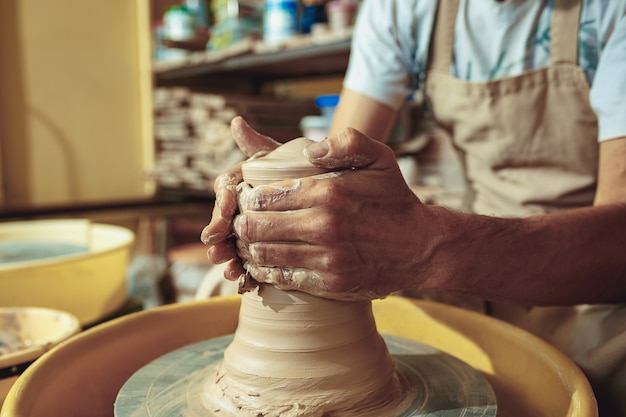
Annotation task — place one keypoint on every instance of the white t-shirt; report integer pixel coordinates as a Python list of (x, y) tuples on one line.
[(391, 40)]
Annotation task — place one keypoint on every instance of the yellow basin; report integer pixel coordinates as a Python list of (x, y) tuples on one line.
[(83, 376), (91, 285), (25, 334)]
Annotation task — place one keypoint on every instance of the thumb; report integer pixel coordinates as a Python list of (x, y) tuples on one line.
[(249, 140), (350, 148)]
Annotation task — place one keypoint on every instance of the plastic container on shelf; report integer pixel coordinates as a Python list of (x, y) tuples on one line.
[(313, 12), (341, 14), (179, 24), (280, 20), (199, 9), (326, 104), (314, 127)]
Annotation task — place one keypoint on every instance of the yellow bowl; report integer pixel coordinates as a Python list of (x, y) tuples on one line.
[(26, 333), (91, 285), (529, 377), (32, 331)]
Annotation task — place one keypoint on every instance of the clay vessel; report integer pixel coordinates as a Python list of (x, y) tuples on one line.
[(295, 354)]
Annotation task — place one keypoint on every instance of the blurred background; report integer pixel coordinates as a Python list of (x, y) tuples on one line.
[(117, 112)]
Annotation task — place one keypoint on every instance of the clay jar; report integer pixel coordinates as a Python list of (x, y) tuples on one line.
[(294, 354)]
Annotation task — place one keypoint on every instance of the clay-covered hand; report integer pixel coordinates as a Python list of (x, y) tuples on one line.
[(349, 234), (218, 235)]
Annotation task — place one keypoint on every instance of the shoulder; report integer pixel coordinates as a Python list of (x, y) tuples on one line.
[(610, 36), (608, 87), (397, 16), (400, 25), (604, 10), (389, 47), (601, 18)]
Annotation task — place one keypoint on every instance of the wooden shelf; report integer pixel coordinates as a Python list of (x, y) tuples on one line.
[(255, 63), (161, 204), (241, 71)]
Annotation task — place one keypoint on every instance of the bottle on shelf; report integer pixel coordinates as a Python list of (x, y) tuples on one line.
[(280, 20)]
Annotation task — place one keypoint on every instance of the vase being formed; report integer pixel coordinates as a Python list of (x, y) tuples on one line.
[(297, 355)]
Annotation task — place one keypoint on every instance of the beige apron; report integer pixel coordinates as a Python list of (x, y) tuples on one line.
[(529, 146)]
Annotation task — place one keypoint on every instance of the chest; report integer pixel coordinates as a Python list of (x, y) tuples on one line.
[(502, 39)]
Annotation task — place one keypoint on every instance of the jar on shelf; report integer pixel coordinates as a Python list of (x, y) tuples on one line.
[(341, 14), (179, 24), (313, 12), (280, 20)]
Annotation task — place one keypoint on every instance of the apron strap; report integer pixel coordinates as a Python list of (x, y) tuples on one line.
[(565, 27), (442, 42), (563, 45)]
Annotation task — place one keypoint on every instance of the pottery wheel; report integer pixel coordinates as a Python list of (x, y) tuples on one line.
[(439, 385)]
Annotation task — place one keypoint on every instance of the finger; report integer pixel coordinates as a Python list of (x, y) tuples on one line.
[(222, 252), (310, 226), (298, 255), (350, 148), (220, 226), (285, 195), (306, 281), (234, 270), (218, 229), (288, 278), (228, 180), (249, 140), (331, 266)]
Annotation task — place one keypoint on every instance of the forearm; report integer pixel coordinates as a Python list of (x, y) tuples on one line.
[(572, 257), (368, 116)]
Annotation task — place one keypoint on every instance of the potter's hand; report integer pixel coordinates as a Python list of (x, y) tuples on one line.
[(349, 234), (218, 235)]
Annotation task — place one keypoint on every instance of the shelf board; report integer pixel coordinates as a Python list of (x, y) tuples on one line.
[(307, 59)]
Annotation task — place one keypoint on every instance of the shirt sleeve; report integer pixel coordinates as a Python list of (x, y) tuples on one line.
[(389, 47), (608, 91)]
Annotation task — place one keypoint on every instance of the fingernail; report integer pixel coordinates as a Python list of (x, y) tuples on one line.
[(231, 273), (317, 149), (206, 235)]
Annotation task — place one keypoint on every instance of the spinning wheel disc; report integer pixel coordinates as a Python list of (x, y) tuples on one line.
[(438, 384)]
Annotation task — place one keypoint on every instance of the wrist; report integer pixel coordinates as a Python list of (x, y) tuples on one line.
[(439, 255), (459, 250)]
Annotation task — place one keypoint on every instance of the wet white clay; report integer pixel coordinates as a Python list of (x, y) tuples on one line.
[(295, 354), (285, 162), (298, 355)]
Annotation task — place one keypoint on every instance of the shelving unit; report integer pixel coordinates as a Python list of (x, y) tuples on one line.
[(198, 96), (244, 68), (242, 63)]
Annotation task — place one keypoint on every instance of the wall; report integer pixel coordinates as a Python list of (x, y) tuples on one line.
[(75, 101)]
